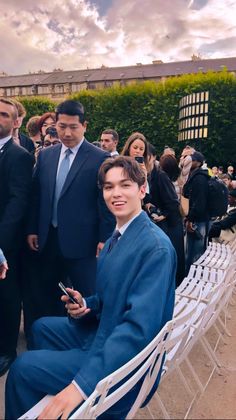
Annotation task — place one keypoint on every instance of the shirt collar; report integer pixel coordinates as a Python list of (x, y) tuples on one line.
[(73, 149), (123, 228), (115, 153), (4, 141)]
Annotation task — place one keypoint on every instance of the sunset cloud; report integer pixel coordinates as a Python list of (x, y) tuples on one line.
[(75, 34)]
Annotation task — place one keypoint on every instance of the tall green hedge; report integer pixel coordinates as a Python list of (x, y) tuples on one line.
[(153, 109)]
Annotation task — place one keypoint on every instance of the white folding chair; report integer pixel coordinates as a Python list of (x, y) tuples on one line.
[(175, 344), (145, 365)]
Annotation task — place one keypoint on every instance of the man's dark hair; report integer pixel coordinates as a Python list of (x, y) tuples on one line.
[(71, 107), (130, 167), (114, 133), (169, 165), (151, 150)]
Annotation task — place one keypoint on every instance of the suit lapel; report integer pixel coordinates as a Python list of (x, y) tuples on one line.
[(79, 160)]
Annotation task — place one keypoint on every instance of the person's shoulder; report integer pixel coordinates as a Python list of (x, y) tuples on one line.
[(153, 238), (95, 151), (19, 150), (199, 175)]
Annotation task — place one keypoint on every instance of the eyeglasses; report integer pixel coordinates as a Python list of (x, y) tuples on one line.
[(51, 143)]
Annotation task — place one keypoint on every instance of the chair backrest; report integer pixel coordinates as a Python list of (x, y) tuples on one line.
[(147, 362)]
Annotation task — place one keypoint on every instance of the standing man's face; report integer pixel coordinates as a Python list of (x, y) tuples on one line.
[(7, 120), (122, 195), (108, 143), (70, 130)]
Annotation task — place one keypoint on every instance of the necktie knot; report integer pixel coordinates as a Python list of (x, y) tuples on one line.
[(114, 239), (68, 152)]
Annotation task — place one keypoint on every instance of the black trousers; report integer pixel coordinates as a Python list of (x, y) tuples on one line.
[(10, 306), (42, 296)]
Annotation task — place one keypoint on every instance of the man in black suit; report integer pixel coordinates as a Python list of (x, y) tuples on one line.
[(15, 183), (69, 218)]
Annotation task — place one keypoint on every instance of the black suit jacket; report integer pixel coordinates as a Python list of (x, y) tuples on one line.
[(83, 218), (15, 182), (27, 143)]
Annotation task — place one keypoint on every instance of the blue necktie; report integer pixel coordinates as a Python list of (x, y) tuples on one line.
[(114, 239), (61, 177)]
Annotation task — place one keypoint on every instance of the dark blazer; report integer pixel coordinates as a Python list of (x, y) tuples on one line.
[(15, 182), (196, 189), (27, 143), (83, 218), (164, 197)]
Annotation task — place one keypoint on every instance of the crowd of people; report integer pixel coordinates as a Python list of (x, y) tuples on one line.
[(55, 223)]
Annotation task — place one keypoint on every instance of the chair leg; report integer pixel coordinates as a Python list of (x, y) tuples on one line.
[(195, 376), (212, 356)]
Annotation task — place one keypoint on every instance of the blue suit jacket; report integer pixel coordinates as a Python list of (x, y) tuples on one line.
[(83, 218), (134, 300)]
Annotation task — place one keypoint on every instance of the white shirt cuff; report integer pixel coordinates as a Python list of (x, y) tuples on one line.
[(80, 390)]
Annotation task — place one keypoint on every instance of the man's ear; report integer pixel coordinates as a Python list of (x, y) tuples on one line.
[(143, 191), (85, 124), (17, 123)]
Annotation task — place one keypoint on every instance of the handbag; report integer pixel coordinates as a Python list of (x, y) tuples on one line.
[(184, 206)]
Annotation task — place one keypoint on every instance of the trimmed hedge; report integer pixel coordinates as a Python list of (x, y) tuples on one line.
[(153, 109)]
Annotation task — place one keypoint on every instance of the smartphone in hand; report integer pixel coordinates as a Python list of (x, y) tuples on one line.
[(72, 299), (139, 159)]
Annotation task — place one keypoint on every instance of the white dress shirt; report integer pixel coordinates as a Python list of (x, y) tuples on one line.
[(74, 151), (4, 141)]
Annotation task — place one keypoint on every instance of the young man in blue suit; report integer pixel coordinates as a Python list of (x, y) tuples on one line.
[(69, 220), (133, 301)]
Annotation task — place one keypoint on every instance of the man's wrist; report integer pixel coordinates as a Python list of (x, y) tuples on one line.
[(83, 395)]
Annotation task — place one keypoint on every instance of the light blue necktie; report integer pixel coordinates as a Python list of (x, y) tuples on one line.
[(61, 177)]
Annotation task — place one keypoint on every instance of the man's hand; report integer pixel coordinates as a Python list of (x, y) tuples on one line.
[(99, 248), (157, 218), (3, 270), (189, 227), (33, 242), (75, 310), (62, 404)]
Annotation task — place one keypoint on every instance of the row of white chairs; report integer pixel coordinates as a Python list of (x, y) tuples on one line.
[(200, 301), (214, 274)]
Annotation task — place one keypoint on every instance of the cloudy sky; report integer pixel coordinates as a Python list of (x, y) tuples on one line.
[(76, 34)]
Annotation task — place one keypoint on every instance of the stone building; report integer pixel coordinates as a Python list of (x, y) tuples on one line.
[(58, 84)]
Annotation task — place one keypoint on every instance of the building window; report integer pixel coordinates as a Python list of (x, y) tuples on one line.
[(108, 84), (26, 90), (43, 90), (91, 85), (76, 87), (59, 89), (10, 91)]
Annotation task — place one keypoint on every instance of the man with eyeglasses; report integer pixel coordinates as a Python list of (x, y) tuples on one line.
[(69, 220), (51, 137)]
